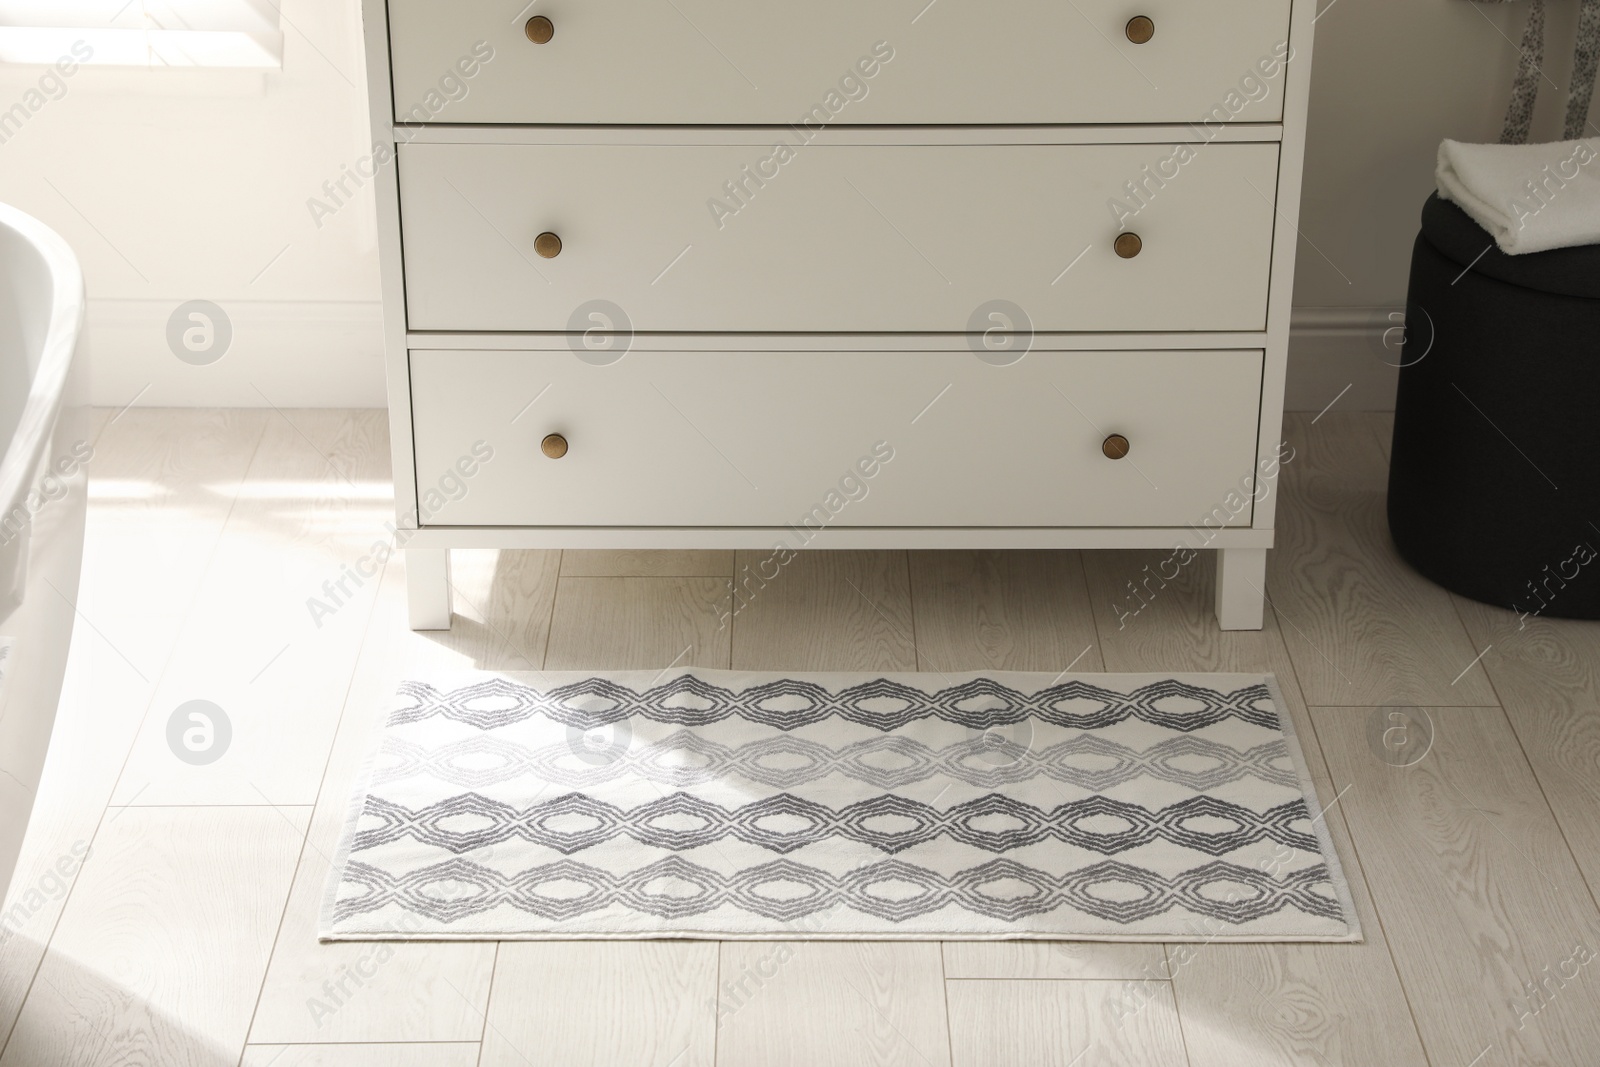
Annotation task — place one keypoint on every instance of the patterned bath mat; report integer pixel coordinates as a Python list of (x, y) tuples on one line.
[(701, 803)]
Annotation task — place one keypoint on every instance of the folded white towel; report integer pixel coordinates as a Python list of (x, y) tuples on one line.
[(1529, 196)]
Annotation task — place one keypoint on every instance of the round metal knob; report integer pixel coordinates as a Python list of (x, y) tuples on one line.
[(1139, 29), (1128, 245), (1115, 446), (541, 29), (547, 245), (554, 446)]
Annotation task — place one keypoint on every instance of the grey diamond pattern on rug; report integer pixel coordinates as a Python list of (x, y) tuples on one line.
[(699, 803)]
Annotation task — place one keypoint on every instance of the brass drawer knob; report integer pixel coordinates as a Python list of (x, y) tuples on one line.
[(547, 245), (1115, 446), (541, 29), (1128, 245), (1139, 29), (554, 446)]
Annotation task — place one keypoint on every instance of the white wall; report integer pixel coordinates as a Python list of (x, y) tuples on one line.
[(1389, 81), (183, 184), (179, 184)]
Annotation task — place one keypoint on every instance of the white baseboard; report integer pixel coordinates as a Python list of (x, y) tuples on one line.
[(282, 354), (1342, 353), (330, 354)]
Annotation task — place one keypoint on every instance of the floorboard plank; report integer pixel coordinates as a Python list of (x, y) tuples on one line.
[(1547, 672), (275, 628), (408, 991), (1166, 623), (796, 1004), (521, 606), (639, 624), (825, 611), (1479, 895), (1343, 594), (598, 1003), (439, 1054), (1382, 423), (1107, 960), (659, 563), (1024, 1024), (160, 952), (1016, 611)]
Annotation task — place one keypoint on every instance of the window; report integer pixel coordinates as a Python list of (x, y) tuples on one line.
[(143, 33)]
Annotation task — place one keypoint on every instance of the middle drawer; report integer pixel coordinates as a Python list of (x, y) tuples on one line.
[(846, 238)]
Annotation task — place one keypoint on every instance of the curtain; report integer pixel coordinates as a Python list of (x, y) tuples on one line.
[(1530, 72)]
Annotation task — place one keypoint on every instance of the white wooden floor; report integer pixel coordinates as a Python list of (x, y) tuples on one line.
[(187, 937)]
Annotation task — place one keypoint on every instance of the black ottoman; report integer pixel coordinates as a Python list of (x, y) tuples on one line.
[(1494, 479)]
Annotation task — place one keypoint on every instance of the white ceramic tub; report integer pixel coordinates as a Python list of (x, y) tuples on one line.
[(44, 434)]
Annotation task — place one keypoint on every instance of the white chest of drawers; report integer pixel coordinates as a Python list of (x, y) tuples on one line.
[(862, 274)]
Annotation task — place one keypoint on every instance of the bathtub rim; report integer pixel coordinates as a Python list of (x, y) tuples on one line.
[(35, 426)]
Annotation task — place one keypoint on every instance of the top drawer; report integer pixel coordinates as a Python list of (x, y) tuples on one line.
[(831, 62)]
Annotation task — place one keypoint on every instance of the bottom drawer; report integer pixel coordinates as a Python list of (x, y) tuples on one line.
[(833, 438)]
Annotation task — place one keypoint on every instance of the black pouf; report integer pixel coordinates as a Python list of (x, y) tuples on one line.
[(1494, 478)]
